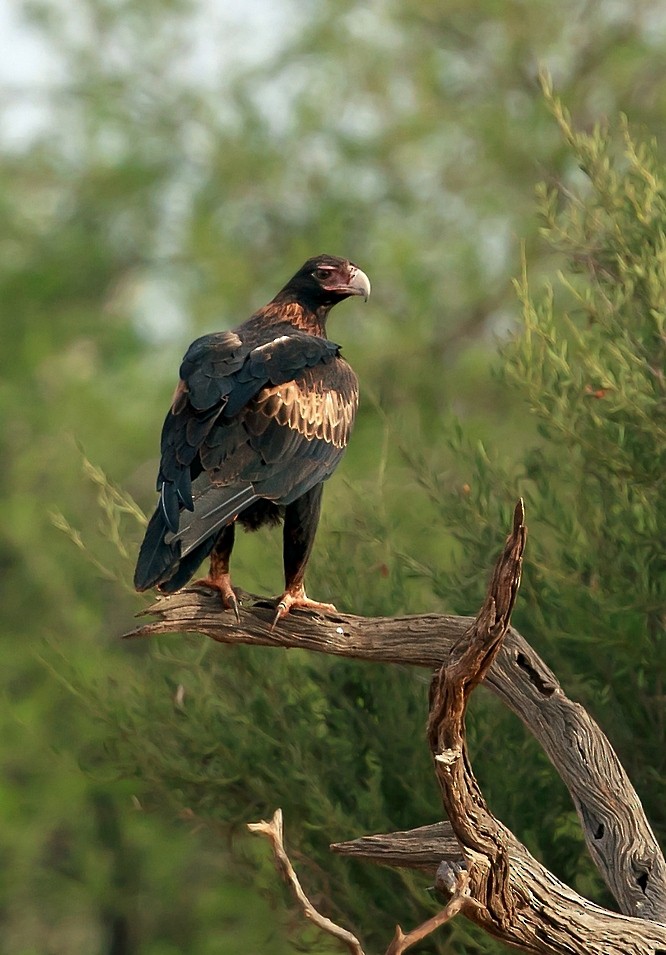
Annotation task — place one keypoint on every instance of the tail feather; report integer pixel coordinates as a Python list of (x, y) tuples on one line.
[(155, 555), (213, 508), (187, 567), (169, 560)]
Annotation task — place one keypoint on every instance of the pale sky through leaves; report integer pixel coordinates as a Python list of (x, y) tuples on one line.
[(222, 37)]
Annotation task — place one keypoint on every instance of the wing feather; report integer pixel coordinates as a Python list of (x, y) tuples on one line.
[(320, 405)]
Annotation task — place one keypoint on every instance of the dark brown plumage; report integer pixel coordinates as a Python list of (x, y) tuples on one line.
[(259, 420)]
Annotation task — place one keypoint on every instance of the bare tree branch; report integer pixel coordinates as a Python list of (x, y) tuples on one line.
[(423, 848), (487, 875), (470, 658), (520, 902), (273, 830), (618, 835)]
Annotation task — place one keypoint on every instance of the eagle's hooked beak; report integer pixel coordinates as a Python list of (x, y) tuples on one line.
[(359, 283)]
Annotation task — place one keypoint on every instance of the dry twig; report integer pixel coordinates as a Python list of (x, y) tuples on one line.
[(273, 830), (460, 899)]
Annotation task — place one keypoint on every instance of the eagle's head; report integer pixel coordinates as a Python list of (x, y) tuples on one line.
[(325, 280)]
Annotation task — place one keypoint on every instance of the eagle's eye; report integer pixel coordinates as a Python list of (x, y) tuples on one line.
[(322, 273)]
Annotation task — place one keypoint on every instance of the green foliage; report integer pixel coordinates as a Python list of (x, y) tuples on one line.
[(227, 740), (588, 362)]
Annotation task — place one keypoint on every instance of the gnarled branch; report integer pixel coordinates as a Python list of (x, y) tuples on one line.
[(618, 835), (497, 883), (485, 851), (423, 848)]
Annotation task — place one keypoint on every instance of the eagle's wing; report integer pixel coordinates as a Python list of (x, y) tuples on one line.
[(286, 440)]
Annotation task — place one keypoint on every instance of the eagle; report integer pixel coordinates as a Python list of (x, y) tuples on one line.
[(260, 418)]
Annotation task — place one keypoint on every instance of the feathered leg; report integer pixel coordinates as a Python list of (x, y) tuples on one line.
[(218, 576), (300, 525)]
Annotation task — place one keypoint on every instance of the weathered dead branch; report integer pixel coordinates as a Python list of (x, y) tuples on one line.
[(485, 850), (618, 835), (497, 883), (423, 848)]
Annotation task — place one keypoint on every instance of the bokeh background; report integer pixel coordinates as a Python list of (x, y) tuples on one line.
[(165, 165)]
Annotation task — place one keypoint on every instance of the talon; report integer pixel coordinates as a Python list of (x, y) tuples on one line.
[(298, 598), (228, 596), (280, 611), (233, 600)]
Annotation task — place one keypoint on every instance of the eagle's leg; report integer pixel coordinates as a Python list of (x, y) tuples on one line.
[(218, 576), (300, 524)]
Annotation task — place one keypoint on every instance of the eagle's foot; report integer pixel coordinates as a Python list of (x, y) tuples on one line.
[(230, 598), (299, 599)]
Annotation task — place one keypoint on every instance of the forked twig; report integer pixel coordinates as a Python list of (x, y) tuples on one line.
[(401, 941), (274, 831), (459, 900)]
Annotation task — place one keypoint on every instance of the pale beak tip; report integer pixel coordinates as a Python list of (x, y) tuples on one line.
[(361, 282)]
